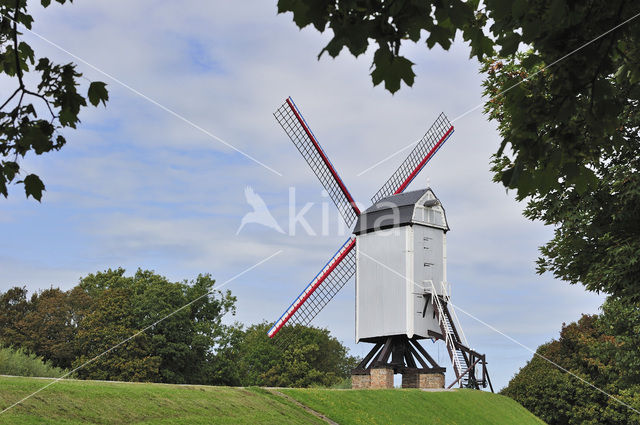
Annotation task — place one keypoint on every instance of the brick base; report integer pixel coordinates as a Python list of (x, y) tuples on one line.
[(360, 382), (422, 380), (381, 377)]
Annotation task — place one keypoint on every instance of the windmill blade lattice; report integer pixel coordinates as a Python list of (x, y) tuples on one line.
[(317, 294), (291, 120), (424, 150)]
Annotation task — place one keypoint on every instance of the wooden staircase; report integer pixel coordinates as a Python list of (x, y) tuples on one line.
[(465, 361)]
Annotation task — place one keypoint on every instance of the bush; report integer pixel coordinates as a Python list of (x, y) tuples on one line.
[(345, 384), (21, 363)]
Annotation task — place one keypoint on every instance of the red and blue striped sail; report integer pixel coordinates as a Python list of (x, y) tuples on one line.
[(425, 149), (290, 118), (322, 288)]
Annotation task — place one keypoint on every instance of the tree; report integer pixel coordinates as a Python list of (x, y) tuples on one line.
[(177, 343), (601, 349), (302, 356), (14, 306), (356, 24), (55, 96), (50, 328), (45, 324), (567, 109), (108, 324), (71, 328), (578, 166), (111, 326)]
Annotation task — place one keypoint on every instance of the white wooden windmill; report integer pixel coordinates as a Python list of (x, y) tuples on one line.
[(399, 260)]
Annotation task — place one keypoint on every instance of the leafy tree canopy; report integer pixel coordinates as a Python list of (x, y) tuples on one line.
[(601, 349), (577, 163), (44, 324), (151, 338), (176, 346), (45, 99), (70, 328), (300, 356)]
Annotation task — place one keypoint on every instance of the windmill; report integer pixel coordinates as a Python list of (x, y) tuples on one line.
[(398, 254)]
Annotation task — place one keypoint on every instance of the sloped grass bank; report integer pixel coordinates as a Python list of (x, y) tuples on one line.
[(94, 402), (460, 407)]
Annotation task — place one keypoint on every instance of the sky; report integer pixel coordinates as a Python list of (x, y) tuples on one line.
[(156, 181)]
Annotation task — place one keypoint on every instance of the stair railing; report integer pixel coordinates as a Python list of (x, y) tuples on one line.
[(452, 310), (448, 335)]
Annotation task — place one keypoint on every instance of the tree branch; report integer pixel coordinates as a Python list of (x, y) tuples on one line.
[(15, 44), (46, 101), (9, 100)]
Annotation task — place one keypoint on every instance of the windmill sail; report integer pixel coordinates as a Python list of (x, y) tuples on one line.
[(424, 150), (291, 120), (322, 288)]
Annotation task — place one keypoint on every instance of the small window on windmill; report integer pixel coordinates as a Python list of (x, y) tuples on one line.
[(432, 215), (437, 217)]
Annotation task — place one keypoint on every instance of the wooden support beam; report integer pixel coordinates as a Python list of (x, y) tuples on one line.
[(417, 356), (368, 357), (384, 354), (420, 348), (487, 373), (463, 373), (408, 357)]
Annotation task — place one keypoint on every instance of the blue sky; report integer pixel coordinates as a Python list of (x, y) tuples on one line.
[(137, 187)]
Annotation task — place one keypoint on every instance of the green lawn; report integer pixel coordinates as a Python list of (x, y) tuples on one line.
[(91, 402), (94, 402), (460, 407)]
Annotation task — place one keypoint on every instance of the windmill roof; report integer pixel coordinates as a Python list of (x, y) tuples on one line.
[(399, 200), (395, 211)]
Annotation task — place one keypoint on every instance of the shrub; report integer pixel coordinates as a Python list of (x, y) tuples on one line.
[(21, 363)]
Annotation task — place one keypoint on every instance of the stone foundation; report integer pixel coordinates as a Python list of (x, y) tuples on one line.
[(360, 382), (422, 380), (381, 377)]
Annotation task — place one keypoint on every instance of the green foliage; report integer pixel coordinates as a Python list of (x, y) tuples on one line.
[(19, 362), (552, 27), (109, 309), (172, 344), (55, 96), (569, 133), (561, 122), (388, 24), (574, 156), (345, 384), (601, 349), (301, 356), (146, 328), (45, 324), (108, 324)]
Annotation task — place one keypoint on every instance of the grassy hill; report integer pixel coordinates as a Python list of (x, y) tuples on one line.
[(414, 407), (93, 402)]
